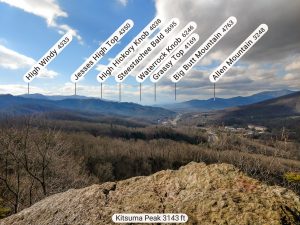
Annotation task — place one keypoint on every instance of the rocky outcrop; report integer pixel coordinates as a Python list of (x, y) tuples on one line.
[(208, 194)]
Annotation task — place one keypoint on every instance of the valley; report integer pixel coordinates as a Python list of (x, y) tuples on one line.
[(83, 141)]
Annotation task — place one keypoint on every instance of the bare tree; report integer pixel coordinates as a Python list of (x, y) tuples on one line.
[(11, 174)]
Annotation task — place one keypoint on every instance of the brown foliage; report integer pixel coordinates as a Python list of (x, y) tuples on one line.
[(37, 159)]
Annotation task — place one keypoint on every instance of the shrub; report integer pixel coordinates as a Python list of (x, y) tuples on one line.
[(3, 210), (292, 177)]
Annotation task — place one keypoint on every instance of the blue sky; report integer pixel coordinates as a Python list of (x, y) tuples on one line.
[(30, 27), (94, 21)]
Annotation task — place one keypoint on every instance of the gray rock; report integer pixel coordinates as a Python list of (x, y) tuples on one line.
[(208, 194)]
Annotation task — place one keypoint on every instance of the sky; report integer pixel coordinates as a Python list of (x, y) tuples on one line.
[(30, 27)]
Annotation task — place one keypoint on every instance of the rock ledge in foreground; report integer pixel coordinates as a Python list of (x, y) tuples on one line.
[(208, 194)]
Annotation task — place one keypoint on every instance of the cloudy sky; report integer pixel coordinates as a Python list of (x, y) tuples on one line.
[(30, 27)]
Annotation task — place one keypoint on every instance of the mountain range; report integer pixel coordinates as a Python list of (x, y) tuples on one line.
[(86, 108), (222, 103), (37, 104), (277, 114), (282, 107), (56, 97)]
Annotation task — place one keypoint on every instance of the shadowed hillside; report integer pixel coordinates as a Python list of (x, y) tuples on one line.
[(222, 103), (14, 105)]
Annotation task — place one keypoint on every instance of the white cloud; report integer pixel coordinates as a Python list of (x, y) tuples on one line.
[(48, 10), (130, 93), (293, 66), (291, 77), (110, 91), (123, 2), (282, 18), (213, 56), (10, 59), (100, 67), (271, 64), (47, 74), (19, 89)]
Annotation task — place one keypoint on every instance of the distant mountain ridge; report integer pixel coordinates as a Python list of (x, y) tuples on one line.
[(284, 106), (279, 114), (17, 105), (55, 97), (93, 107), (221, 103)]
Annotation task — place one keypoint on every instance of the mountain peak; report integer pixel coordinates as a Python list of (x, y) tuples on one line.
[(222, 103), (208, 194), (95, 107)]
